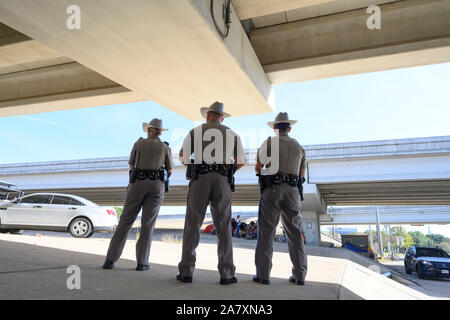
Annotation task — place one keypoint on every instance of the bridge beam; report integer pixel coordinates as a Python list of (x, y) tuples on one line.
[(57, 88), (388, 215), (412, 33), (167, 51), (35, 78), (256, 8), (288, 10)]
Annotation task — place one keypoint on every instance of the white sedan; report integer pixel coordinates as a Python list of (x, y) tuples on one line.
[(56, 212)]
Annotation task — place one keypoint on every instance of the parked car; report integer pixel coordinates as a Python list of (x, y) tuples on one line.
[(56, 212), (427, 261)]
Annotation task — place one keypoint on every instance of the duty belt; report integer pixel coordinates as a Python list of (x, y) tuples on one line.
[(142, 174), (150, 174), (226, 170), (220, 168), (280, 178)]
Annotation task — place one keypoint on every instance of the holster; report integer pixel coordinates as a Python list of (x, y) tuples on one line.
[(230, 174), (261, 182), (167, 183), (132, 176), (192, 172), (300, 187), (265, 181)]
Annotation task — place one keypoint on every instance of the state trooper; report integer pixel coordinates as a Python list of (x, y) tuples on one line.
[(281, 176), (149, 157), (217, 154)]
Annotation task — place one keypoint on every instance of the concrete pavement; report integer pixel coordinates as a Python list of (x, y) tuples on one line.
[(34, 267)]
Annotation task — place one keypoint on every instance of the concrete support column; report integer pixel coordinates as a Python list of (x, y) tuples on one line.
[(380, 239), (371, 238), (311, 227)]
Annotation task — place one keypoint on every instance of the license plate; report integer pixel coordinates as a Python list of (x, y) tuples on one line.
[(445, 271)]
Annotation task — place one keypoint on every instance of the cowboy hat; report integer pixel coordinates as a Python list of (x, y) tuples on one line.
[(282, 117), (155, 123), (216, 107)]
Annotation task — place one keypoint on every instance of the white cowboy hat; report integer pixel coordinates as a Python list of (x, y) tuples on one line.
[(155, 123), (282, 117), (216, 107)]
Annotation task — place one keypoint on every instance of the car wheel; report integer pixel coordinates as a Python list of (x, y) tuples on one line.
[(16, 231), (420, 272), (80, 228), (4, 230), (407, 270)]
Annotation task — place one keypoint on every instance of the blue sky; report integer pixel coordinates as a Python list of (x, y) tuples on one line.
[(404, 103)]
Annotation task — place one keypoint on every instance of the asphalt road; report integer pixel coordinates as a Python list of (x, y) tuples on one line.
[(436, 287)]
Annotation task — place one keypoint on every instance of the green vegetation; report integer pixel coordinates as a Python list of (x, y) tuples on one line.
[(412, 238), (401, 232), (437, 240)]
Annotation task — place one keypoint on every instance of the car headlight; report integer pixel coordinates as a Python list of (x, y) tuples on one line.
[(427, 263)]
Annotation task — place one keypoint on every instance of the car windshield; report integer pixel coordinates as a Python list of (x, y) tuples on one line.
[(431, 252)]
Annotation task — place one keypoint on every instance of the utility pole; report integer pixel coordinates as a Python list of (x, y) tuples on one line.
[(430, 241), (371, 238), (380, 240), (388, 238)]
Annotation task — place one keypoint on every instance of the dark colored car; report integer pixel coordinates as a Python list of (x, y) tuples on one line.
[(427, 261)]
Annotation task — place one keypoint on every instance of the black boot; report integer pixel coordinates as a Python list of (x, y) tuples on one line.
[(298, 282), (228, 281), (142, 267), (109, 264), (262, 281), (184, 279)]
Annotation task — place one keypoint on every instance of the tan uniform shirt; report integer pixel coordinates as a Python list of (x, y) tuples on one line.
[(292, 156), (203, 145), (151, 154)]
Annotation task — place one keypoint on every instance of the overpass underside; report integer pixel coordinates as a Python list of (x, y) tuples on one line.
[(245, 195), (171, 52), (366, 215), (391, 172), (418, 193), (387, 193), (325, 38)]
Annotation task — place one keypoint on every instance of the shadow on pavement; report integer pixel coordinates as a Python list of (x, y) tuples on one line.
[(34, 272)]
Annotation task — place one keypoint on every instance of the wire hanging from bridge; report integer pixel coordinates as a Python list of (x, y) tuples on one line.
[(226, 16)]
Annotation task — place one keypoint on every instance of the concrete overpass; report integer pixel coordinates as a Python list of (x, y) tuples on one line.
[(408, 172), (393, 215), (104, 181), (390, 172), (172, 52)]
